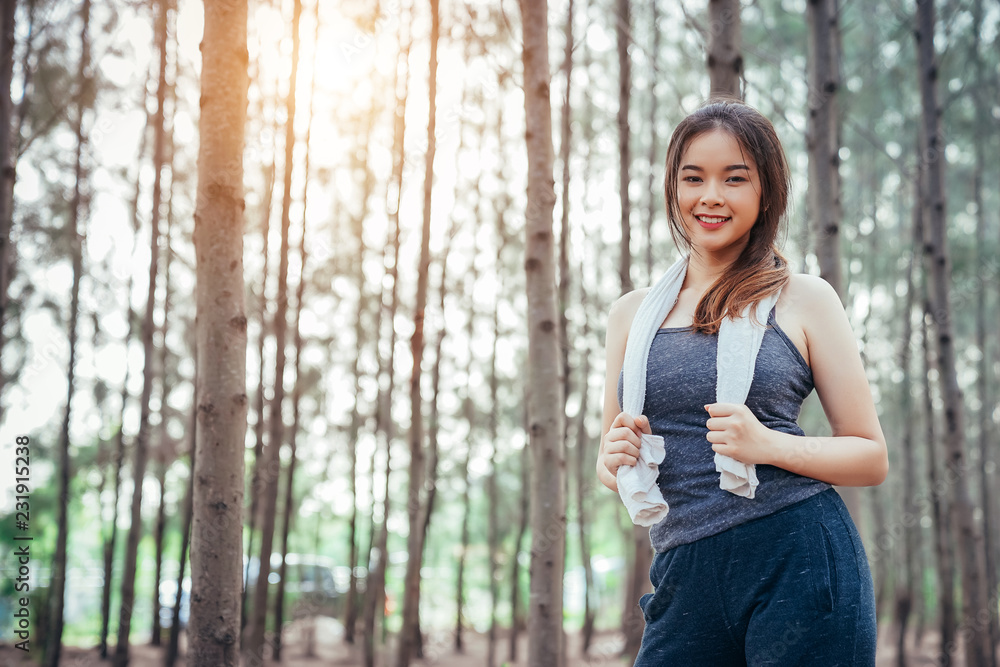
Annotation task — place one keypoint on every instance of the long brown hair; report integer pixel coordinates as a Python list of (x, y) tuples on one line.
[(760, 269)]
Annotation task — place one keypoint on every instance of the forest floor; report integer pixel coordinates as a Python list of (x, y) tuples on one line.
[(330, 650)]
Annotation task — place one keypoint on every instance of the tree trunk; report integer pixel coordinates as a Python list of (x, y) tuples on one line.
[(415, 542), (258, 409), (165, 448), (109, 544), (906, 594), (279, 603), (375, 586), (170, 654), (216, 543), (654, 202), (58, 585), (987, 464), (940, 510), (969, 542), (823, 147), (351, 609), (823, 137), (516, 614), (470, 416), (583, 482), (623, 30), (545, 417), (148, 328), (725, 45), (492, 522), (492, 529), (253, 644), (7, 161)]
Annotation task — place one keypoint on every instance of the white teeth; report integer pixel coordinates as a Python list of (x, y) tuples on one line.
[(712, 220)]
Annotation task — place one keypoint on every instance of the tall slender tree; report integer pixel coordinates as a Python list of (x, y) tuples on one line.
[(76, 235), (987, 473), (253, 644), (388, 300), (216, 541), (299, 388), (725, 49), (119, 456), (545, 415), (653, 156), (823, 136), (8, 12), (173, 644), (414, 543), (623, 31), (141, 450), (969, 539)]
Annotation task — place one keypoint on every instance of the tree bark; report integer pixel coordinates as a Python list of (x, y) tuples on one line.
[(119, 460), (58, 585), (492, 521), (279, 603), (940, 510), (969, 539), (823, 137), (582, 490), (7, 161), (351, 607), (170, 654), (121, 658), (216, 543), (258, 409), (165, 449), (654, 202), (415, 541), (516, 614), (254, 638), (987, 472), (375, 593), (545, 417), (725, 46), (623, 30), (906, 594)]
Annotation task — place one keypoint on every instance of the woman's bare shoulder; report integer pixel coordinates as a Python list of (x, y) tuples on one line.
[(804, 301), (623, 312)]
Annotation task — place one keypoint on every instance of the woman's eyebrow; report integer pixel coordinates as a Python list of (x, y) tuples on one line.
[(732, 167)]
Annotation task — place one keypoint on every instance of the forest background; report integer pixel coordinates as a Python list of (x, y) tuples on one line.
[(386, 227)]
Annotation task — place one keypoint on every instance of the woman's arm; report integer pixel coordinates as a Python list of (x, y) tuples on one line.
[(620, 432), (856, 454)]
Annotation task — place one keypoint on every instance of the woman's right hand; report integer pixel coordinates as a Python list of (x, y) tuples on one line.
[(620, 447)]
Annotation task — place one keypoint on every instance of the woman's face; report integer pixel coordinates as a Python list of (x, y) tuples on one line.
[(718, 191)]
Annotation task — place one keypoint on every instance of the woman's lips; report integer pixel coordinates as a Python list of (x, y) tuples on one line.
[(712, 221)]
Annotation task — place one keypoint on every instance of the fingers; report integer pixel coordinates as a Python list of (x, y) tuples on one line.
[(638, 424), (643, 423), (722, 409)]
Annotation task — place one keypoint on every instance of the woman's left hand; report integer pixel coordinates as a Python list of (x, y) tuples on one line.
[(734, 431)]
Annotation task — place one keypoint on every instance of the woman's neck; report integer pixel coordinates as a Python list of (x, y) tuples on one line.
[(704, 269)]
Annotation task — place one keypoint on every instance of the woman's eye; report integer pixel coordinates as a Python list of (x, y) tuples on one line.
[(737, 179), (691, 179)]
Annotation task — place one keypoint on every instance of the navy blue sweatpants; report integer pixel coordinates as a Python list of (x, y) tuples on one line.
[(790, 588)]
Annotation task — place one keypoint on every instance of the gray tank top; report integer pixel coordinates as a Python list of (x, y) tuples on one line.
[(681, 380)]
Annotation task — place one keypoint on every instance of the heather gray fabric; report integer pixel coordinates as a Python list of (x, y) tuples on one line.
[(681, 380)]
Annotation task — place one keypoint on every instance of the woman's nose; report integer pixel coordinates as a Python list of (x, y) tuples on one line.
[(711, 193)]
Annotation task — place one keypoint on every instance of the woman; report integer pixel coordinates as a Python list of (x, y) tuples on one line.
[(779, 578)]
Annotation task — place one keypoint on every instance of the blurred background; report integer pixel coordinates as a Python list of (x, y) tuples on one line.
[(385, 196)]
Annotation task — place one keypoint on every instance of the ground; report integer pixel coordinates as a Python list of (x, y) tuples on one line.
[(330, 650)]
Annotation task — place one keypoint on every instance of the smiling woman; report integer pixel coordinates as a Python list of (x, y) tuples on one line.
[(701, 380)]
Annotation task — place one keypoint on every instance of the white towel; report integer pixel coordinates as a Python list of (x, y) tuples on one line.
[(739, 343)]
